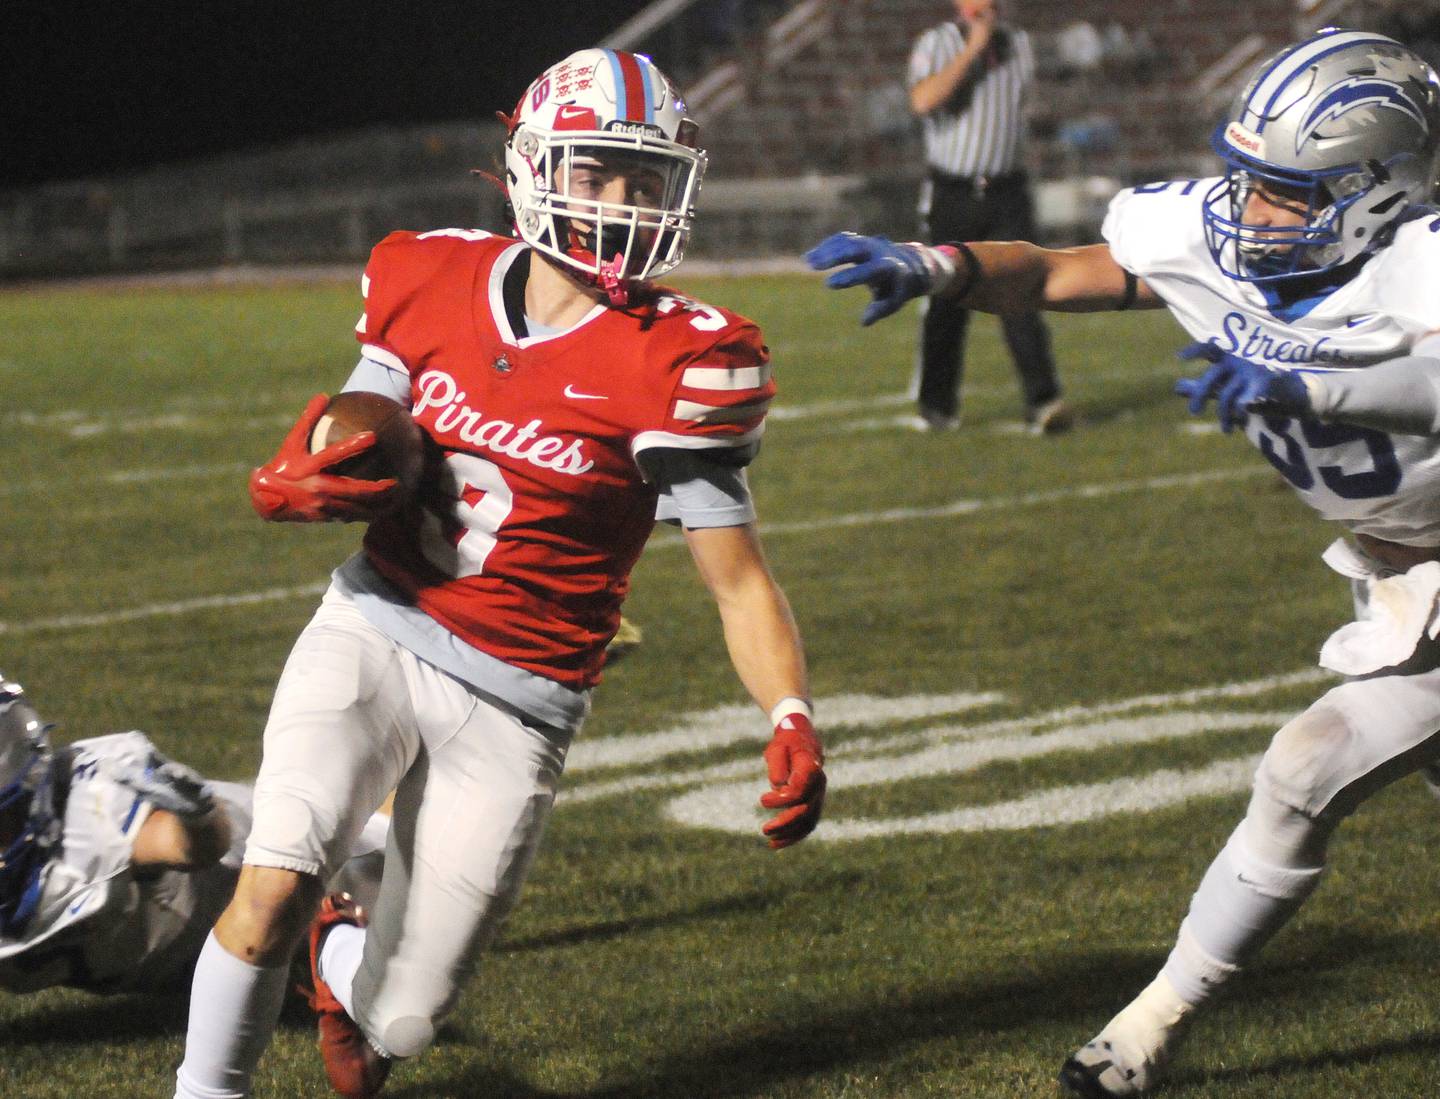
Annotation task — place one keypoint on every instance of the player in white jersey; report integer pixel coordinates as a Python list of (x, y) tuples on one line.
[(116, 861), (1312, 260)]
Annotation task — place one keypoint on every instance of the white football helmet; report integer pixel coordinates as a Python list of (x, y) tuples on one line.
[(1350, 121), (29, 828), (613, 113)]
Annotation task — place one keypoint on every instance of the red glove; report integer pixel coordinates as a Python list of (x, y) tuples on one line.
[(293, 486), (795, 760)]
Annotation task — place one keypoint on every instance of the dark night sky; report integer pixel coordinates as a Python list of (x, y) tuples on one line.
[(90, 88)]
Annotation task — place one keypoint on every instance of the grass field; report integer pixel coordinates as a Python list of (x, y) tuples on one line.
[(1025, 653)]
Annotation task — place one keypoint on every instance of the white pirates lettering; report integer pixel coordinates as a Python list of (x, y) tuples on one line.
[(525, 443)]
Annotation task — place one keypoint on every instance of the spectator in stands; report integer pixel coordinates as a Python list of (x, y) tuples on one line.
[(723, 23), (968, 79)]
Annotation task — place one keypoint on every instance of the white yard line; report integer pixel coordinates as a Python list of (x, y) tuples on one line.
[(722, 796), (890, 753), (74, 423), (130, 477), (1092, 491), (955, 508), (215, 414), (158, 610)]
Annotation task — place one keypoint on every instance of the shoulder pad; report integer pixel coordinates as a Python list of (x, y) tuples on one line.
[(1154, 222), (720, 390), (403, 262)]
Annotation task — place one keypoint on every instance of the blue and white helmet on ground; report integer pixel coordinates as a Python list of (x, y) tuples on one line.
[(29, 828), (1350, 119)]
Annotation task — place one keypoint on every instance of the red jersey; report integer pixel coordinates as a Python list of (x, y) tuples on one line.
[(522, 539)]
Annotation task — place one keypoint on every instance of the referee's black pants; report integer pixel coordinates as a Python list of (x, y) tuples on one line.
[(961, 210)]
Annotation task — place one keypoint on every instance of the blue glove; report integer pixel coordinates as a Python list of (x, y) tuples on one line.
[(895, 273), (1240, 386)]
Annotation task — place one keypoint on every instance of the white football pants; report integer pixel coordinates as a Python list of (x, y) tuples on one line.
[(1350, 743), (355, 716)]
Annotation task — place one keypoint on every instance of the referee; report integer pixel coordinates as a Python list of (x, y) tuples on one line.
[(967, 81)]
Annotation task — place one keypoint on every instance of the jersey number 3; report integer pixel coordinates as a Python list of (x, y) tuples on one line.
[(458, 543)]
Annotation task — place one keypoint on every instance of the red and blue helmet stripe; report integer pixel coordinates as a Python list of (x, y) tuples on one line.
[(634, 94)]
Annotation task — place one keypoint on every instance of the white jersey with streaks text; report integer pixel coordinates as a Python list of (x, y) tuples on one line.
[(98, 926), (1387, 486)]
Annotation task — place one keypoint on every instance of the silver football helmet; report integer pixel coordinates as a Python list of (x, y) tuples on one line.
[(29, 828), (1347, 122)]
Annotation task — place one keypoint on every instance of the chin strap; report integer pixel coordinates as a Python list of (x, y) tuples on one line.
[(615, 287)]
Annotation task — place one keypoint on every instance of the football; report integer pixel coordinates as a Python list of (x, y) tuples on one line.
[(399, 449)]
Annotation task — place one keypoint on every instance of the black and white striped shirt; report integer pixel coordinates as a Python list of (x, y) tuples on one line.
[(979, 132)]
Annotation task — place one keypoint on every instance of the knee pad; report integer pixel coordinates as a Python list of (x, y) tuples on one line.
[(1304, 769), (407, 1036), (1286, 824)]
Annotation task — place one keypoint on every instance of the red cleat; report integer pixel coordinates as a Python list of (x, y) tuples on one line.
[(355, 1069)]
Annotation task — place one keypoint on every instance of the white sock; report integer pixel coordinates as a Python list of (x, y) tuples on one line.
[(1240, 904), (1192, 971), (233, 1009), (339, 961)]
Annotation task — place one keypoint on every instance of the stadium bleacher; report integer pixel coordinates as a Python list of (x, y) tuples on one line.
[(804, 113)]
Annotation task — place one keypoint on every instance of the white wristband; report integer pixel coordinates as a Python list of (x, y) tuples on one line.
[(787, 706), (938, 263)]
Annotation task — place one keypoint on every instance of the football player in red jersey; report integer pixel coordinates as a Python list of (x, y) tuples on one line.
[(569, 403)]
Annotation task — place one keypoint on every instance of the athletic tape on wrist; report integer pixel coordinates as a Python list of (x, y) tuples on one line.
[(940, 261), (787, 706)]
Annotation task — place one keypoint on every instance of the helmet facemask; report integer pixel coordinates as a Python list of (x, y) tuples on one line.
[(1334, 203), (610, 238), (29, 829)]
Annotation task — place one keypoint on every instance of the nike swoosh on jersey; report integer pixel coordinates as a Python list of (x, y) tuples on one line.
[(571, 391)]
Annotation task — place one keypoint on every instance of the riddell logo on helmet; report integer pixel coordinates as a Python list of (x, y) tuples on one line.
[(1245, 139), (623, 126)]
